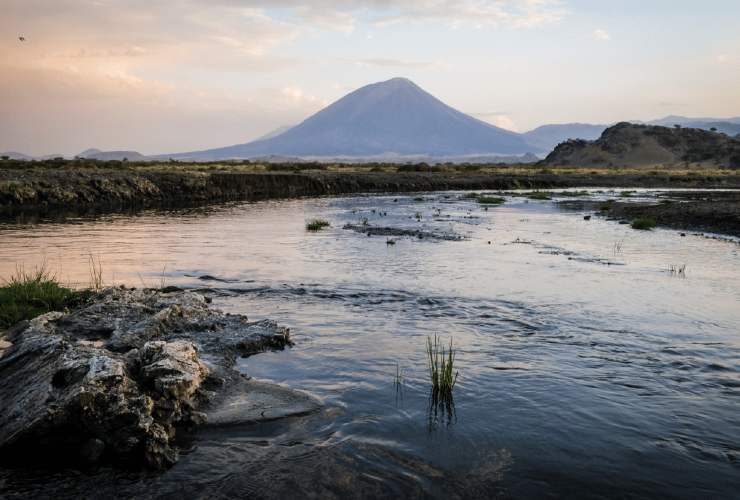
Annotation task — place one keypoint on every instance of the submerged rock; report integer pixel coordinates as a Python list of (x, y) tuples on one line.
[(396, 231), (119, 378)]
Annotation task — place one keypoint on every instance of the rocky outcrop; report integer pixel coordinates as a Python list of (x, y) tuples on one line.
[(123, 378), (629, 145)]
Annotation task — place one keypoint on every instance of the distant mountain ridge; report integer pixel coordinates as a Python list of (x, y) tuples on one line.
[(671, 120), (14, 155), (96, 154), (546, 137)]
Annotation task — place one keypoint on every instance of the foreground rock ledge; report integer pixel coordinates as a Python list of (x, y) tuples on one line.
[(125, 377)]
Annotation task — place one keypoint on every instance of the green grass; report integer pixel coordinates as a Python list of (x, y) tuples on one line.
[(644, 223), (26, 295), (490, 200), (442, 372), (317, 224), (606, 206), (572, 194), (398, 381), (539, 195)]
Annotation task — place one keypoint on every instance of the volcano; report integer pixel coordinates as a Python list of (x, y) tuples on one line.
[(394, 117)]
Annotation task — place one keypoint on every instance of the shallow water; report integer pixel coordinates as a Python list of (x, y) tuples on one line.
[(586, 368)]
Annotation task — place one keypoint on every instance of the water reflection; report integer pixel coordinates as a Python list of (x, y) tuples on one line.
[(441, 410)]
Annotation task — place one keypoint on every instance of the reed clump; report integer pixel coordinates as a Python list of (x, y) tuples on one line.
[(442, 373)]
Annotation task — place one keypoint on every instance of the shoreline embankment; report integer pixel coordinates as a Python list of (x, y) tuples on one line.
[(42, 191)]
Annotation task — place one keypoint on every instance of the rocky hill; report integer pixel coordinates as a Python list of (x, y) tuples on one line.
[(627, 144)]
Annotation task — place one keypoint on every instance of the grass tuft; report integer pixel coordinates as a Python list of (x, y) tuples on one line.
[(96, 272), (644, 223), (26, 295), (317, 224), (442, 372)]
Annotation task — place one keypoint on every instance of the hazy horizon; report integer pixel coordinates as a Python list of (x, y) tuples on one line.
[(161, 77)]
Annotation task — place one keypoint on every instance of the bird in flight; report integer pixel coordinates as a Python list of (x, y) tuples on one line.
[(22, 38)]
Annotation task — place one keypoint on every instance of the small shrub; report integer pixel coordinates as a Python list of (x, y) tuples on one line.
[(644, 223), (317, 224)]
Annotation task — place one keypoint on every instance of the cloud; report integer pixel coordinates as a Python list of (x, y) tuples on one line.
[(299, 96), (497, 118), (474, 13), (381, 62), (327, 19), (722, 58), (600, 34)]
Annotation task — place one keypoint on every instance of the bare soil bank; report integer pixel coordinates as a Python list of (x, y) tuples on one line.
[(716, 212), (716, 215), (50, 191)]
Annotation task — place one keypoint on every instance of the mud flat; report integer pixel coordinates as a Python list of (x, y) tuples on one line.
[(715, 212), (53, 191), (127, 378)]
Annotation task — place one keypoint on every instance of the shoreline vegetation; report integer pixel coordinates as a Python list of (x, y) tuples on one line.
[(60, 188)]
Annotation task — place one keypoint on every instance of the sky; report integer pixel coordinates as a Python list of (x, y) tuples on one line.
[(165, 76)]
